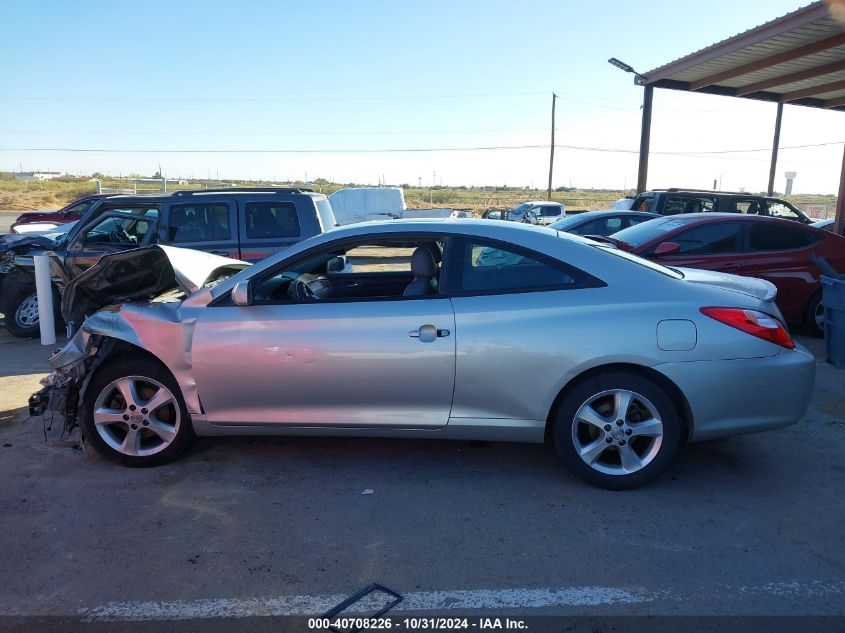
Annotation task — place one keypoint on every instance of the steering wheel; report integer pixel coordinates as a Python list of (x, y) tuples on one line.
[(119, 236), (530, 218), (308, 287)]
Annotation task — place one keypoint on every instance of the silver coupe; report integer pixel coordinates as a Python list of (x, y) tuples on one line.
[(455, 329)]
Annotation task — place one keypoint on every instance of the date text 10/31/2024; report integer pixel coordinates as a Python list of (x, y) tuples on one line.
[(418, 623)]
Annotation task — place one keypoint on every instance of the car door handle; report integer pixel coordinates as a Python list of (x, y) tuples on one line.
[(428, 333), (223, 253)]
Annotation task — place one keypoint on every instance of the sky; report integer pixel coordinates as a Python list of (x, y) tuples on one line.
[(320, 89)]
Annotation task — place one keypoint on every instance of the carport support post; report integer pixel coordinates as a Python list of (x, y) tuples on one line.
[(645, 137), (839, 222), (775, 144), (44, 292)]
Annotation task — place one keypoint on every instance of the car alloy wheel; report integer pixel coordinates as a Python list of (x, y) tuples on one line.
[(26, 316), (137, 416), (617, 432), (818, 316)]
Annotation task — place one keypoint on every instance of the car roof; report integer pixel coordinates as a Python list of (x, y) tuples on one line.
[(717, 216), (604, 212)]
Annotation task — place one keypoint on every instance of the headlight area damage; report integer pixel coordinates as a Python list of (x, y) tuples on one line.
[(128, 300)]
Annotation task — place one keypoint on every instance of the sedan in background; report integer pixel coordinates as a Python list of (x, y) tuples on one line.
[(601, 223), (40, 221), (756, 246), (454, 329)]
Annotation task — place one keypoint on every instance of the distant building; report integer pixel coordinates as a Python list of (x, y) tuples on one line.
[(37, 175)]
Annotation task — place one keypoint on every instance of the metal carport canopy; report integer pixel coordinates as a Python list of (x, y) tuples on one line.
[(797, 59)]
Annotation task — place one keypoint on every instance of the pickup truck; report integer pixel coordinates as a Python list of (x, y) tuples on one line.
[(247, 224)]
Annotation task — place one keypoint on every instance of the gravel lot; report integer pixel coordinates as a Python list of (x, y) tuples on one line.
[(254, 527)]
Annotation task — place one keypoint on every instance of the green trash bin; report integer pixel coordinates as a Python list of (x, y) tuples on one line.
[(833, 300)]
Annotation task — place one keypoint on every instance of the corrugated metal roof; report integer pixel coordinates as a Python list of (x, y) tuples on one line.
[(790, 59)]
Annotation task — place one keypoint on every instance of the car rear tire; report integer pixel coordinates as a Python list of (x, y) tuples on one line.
[(133, 413), (814, 316), (616, 430)]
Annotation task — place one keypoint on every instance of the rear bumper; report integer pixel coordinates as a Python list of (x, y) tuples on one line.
[(731, 397)]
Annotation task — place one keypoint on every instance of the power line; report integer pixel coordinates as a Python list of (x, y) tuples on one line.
[(98, 150), (271, 133), (136, 99)]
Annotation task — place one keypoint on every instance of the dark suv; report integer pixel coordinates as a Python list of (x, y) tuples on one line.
[(248, 224), (674, 201)]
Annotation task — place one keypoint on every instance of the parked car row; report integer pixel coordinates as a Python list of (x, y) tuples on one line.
[(247, 224), (158, 329), (609, 357), (780, 251)]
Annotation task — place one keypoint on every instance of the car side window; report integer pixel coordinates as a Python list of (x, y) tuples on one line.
[(749, 207), (120, 227), (481, 268), (687, 204), (781, 210), (271, 219), (117, 231), (774, 236), (709, 239), (198, 223), (600, 226), (643, 204), (81, 207)]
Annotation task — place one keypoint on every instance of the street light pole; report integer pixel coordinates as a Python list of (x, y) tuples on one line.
[(552, 148)]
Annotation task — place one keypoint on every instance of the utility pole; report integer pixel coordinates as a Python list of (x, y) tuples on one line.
[(552, 148)]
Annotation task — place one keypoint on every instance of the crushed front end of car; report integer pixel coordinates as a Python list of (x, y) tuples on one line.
[(127, 301)]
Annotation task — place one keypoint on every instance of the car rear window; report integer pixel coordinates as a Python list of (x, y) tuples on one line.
[(647, 231), (709, 239)]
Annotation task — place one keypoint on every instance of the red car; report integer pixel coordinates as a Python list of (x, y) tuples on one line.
[(46, 220), (750, 245)]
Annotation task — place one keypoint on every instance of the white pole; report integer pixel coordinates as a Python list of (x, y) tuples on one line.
[(44, 292)]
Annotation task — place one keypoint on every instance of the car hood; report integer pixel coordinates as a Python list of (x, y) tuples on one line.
[(141, 273), (40, 239), (757, 288)]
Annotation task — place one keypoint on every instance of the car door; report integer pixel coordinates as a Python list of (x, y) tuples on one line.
[(509, 303), (362, 362), (711, 246), (113, 230), (779, 252), (205, 225)]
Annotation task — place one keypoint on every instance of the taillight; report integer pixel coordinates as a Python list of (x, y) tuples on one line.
[(753, 322)]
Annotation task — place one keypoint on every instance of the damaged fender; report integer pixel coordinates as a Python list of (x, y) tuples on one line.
[(119, 299)]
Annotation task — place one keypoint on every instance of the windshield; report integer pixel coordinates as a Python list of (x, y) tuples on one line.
[(567, 223), (645, 232), (523, 207)]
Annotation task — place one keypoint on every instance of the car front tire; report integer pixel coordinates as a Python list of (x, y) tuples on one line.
[(616, 430), (133, 412)]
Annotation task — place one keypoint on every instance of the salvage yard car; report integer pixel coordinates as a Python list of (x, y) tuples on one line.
[(602, 223), (676, 201), (780, 251), (249, 224), (612, 359)]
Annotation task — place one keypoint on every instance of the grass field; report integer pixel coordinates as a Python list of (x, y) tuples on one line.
[(54, 194)]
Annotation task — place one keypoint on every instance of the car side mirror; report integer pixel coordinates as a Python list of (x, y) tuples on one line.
[(242, 293), (667, 248)]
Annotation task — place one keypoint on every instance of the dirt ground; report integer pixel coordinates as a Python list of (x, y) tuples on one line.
[(241, 531)]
